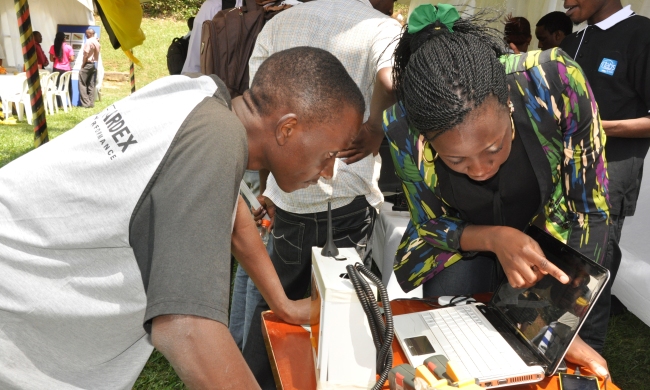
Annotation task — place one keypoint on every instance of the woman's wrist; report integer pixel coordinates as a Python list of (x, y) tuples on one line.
[(479, 238)]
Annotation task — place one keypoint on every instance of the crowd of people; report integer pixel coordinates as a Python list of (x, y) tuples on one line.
[(487, 138), (61, 55)]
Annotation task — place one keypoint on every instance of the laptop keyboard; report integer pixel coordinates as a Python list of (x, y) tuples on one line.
[(471, 340)]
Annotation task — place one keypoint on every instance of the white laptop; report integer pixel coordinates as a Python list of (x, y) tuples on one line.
[(522, 334)]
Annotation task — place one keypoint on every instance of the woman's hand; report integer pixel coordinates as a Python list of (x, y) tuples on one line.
[(582, 354), (521, 258)]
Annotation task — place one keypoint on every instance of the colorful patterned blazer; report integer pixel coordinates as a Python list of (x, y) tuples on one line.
[(557, 118)]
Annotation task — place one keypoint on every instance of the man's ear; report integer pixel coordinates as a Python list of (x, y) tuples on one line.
[(285, 128), (559, 36)]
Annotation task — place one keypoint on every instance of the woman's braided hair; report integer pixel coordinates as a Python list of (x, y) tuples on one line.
[(440, 76)]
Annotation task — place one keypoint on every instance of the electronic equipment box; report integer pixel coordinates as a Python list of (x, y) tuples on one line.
[(344, 352)]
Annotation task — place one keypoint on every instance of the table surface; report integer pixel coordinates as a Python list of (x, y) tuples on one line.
[(289, 349)]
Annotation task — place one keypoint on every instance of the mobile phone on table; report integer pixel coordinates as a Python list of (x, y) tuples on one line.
[(578, 382)]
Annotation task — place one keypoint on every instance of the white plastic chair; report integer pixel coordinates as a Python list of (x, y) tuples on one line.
[(49, 93), (45, 86), (22, 102), (62, 91), (43, 77)]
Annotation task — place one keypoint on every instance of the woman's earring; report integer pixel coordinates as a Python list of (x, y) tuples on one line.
[(511, 106), (424, 155), (512, 122)]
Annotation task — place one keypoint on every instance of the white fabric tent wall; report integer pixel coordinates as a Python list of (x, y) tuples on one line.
[(532, 10), (632, 285), (45, 16)]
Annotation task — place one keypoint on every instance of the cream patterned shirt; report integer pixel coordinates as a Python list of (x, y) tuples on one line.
[(363, 39)]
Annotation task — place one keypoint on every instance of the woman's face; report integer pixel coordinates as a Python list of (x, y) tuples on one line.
[(480, 144)]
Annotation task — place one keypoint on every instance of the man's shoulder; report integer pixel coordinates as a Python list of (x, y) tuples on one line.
[(636, 26), (637, 21), (208, 4), (334, 11), (208, 10)]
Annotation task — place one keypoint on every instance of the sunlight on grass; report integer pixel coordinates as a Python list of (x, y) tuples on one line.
[(152, 54), (626, 351)]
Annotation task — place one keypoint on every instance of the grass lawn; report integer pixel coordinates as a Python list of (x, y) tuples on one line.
[(628, 339), (16, 140)]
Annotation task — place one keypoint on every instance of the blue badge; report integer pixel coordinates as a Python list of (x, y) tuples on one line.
[(607, 66)]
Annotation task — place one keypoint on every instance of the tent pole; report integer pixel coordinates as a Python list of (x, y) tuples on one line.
[(132, 74), (31, 67)]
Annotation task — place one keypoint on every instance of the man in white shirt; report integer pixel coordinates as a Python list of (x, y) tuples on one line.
[(360, 34), (206, 12), (88, 72)]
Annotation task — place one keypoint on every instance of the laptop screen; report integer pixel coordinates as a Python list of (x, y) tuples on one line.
[(549, 313)]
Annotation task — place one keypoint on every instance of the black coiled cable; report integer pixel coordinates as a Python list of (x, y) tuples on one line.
[(382, 334)]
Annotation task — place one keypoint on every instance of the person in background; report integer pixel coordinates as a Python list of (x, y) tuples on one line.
[(517, 33), (361, 34), (61, 54), (41, 58), (614, 53), (245, 296), (88, 70), (486, 144), (552, 28), (190, 26), (206, 12)]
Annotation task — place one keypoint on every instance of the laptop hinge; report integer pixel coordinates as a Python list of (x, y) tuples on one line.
[(527, 352)]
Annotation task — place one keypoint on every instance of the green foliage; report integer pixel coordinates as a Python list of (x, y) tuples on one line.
[(179, 9)]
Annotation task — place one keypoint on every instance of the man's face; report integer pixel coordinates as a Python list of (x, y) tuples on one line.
[(546, 39), (580, 10), (38, 38), (310, 153)]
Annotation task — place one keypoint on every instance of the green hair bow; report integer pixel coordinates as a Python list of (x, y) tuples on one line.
[(426, 14)]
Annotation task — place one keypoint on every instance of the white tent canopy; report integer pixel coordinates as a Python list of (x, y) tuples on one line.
[(45, 16)]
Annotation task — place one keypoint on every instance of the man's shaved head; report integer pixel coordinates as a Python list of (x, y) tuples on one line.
[(311, 82)]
